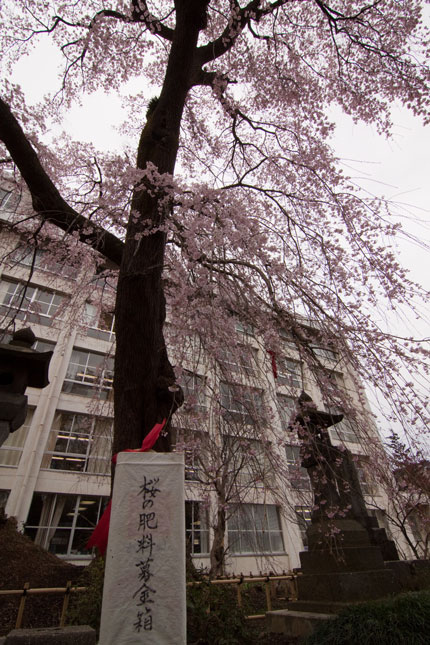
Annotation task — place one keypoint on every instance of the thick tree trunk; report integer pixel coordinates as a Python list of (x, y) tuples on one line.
[(143, 373)]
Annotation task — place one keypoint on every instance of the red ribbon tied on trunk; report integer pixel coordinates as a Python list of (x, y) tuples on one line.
[(99, 537)]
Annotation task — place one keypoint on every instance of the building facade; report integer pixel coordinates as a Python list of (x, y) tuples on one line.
[(55, 470)]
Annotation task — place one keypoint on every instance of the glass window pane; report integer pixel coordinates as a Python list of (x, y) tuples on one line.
[(276, 541), (255, 528), (80, 539), (65, 507), (59, 542)]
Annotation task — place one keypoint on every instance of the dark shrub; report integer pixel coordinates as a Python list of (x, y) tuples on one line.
[(402, 620)]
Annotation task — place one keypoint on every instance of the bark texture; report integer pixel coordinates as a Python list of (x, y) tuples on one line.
[(145, 398)]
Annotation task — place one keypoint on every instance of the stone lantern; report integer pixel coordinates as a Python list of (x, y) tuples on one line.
[(20, 367)]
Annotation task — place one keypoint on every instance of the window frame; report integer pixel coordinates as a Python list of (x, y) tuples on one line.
[(284, 409), (7, 196), (304, 520), (19, 297), (244, 361), (182, 437), (289, 372), (248, 409), (95, 323), (71, 435), (56, 525), (93, 378), (194, 389), (297, 474), (197, 527), (256, 533)]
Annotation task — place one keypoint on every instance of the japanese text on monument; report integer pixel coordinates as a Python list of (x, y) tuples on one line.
[(145, 547)]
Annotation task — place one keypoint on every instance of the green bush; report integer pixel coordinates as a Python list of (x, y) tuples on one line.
[(402, 620), (85, 607), (224, 624)]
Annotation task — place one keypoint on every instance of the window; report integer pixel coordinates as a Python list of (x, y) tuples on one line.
[(287, 339), (193, 387), (298, 475), (33, 304), (345, 430), (43, 346), (325, 352), (247, 460), (196, 527), (79, 443), (332, 384), (255, 528), (42, 259), (244, 328), (286, 408), (365, 478), (89, 374), (106, 279), (28, 257), (332, 381), (101, 324), (4, 494), (241, 404), (11, 450), (289, 372), (63, 524), (243, 360), (9, 201), (304, 519), (191, 443)]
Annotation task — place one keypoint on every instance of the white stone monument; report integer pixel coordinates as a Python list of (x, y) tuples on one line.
[(144, 597)]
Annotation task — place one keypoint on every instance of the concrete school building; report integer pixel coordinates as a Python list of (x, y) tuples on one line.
[(55, 470)]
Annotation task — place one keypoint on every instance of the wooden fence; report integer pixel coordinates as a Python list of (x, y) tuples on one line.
[(268, 582), (27, 591)]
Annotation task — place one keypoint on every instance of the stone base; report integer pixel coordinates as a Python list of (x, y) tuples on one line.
[(74, 635), (336, 534), (411, 575), (294, 623), (319, 606), (355, 558), (347, 586)]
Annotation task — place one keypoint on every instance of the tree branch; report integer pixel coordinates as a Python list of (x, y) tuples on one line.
[(139, 15), (240, 18), (46, 199)]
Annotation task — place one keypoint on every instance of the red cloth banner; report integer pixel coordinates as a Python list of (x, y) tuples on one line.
[(99, 537)]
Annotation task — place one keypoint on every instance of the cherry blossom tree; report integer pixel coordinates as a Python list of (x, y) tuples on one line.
[(232, 205), (407, 482)]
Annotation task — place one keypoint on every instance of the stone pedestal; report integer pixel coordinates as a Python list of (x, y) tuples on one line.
[(144, 597), (346, 568)]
